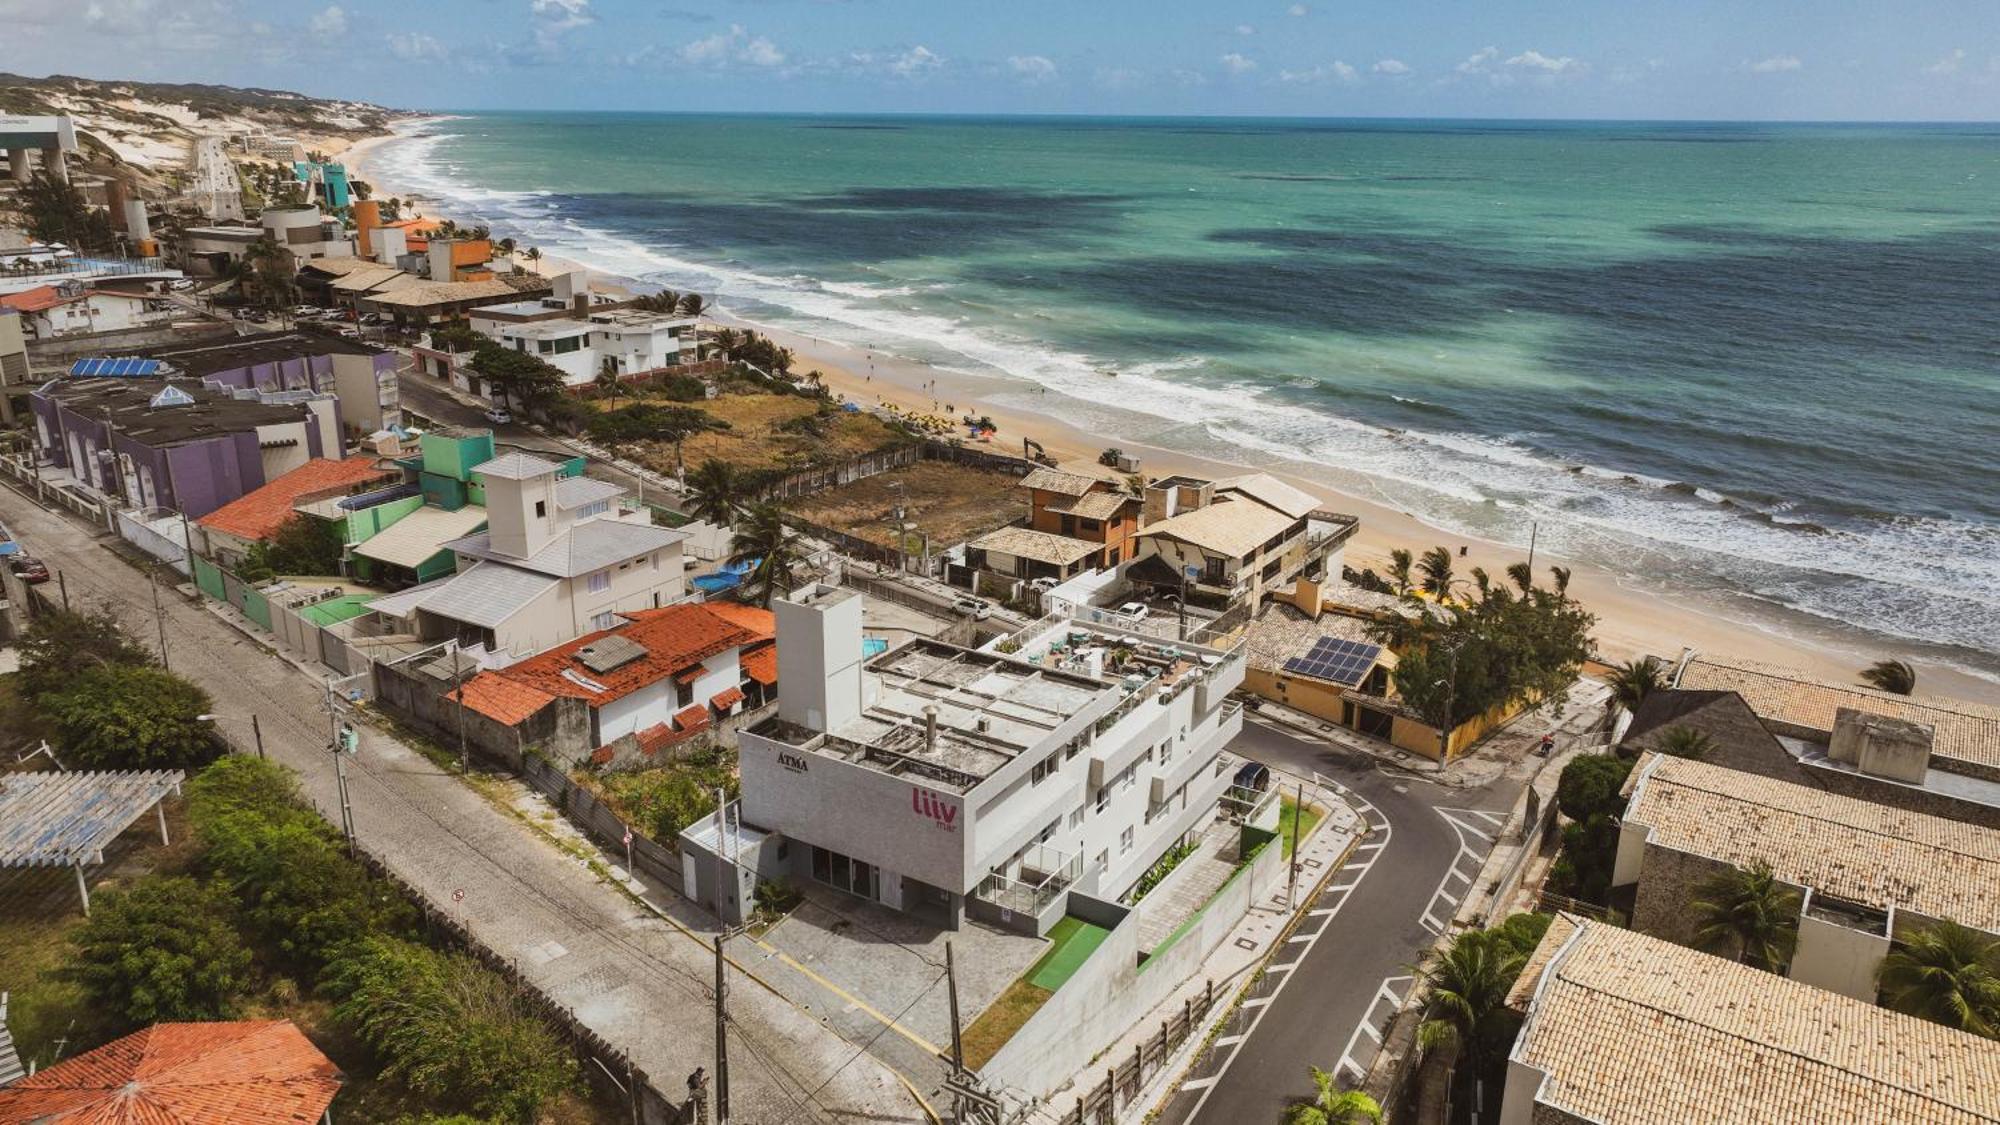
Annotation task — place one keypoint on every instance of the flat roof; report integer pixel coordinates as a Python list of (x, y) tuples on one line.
[(1965, 732), (544, 329), (423, 533), (591, 545), (1632, 1029), (212, 414), (232, 353), (1861, 851)]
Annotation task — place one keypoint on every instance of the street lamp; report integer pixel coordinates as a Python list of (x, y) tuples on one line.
[(256, 731)]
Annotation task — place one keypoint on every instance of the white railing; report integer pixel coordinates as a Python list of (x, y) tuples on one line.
[(1045, 873)]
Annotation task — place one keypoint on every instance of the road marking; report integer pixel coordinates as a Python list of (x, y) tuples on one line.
[(1369, 847), (1200, 1083), (1284, 968), (1257, 1003), (1343, 887), (1229, 1041), (1492, 818), (1323, 911), (1372, 1033), (1301, 937)]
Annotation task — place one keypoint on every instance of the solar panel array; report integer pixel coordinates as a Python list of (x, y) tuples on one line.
[(124, 367), (1335, 660)]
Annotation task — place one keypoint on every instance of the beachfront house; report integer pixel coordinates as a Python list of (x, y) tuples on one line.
[(1229, 542)]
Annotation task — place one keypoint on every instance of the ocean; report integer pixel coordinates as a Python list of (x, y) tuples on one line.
[(1759, 364)]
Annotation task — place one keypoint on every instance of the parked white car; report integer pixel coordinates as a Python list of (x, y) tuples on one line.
[(1044, 585), (500, 416), (1133, 612), (973, 608)]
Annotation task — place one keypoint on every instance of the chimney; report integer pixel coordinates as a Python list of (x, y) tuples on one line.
[(1880, 746), (930, 728)]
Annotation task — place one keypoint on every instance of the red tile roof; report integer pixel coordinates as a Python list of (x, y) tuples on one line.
[(254, 1071), (676, 639), (760, 664), (693, 718), (502, 699), (726, 698), (35, 300), (256, 515)]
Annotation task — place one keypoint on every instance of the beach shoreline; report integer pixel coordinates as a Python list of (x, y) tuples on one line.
[(1633, 618)]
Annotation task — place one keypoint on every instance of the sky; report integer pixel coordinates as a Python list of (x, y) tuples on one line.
[(1674, 59)]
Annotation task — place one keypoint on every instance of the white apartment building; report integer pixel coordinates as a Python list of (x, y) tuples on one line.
[(944, 781), (581, 345), (561, 557)]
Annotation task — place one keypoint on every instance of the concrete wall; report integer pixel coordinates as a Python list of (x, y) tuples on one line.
[(1112, 990), (1838, 958), (420, 699)]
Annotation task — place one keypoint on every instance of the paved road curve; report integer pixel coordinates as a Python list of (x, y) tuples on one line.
[(1331, 988), (637, 981)]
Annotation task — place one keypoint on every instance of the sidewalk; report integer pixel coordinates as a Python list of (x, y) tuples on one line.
[(1237, 959)]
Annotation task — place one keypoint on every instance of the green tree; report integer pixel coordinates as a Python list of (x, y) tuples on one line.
[(302, 545), (524, 378), (56, 211), (1893, 676), (1435, 569), (1465, 1010), (1333, 1106), (713, 492), (1749, 914), (1588, 786), (534, 256), (1684, 742), (123, 716), (1634, 680), (166, 949), (762, 534), (239, 784), (61, 646), (1399, 571), (450, 1028), (267, 275), (302, 897), (693, 304), (1948, 974)]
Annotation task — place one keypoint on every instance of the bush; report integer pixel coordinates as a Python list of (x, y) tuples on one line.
[(1589, 856), (121, 716), (683, 388), (665, 800), (450, 1028), (61, 646), (1589, 786), (240, 784), (164, 950)]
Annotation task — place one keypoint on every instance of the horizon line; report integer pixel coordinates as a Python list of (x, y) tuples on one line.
[(1071, 114)]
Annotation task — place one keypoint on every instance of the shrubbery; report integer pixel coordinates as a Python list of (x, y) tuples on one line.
[(667, 799), (1588, 794), (166, 949), (125, 716)]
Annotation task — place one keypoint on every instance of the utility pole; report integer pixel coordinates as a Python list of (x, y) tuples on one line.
[(62, 584), (971, 1104), (1534, 532), (721, 1034), (344, 741), (159, 617), (1298, 814), (257, 732)]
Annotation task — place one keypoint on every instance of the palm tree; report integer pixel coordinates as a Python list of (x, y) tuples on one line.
[(1634, 680), (1435, 567), (1948, 974), (607, 378), (1482, 581), (762, 535), (1399, 571), (534, 255), (1330, 1106), (693, 304), (1748, 911), (712, 492), (1893, 676), (1522, 576), (1684, 742), (1467, 1002), (1560, 574)]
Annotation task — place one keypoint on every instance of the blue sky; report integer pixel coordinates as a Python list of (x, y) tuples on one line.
[(1758, 59)]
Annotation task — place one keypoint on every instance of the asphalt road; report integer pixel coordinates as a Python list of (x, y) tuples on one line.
[(1330, 991)]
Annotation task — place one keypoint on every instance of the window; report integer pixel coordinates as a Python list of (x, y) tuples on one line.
[(541, 509), (1044, 768), (597, 508), (545, 346), (598, 582), (1129, 776), (1103, 798), (1069, 525), (1092, 525), (1215, 572), (569, 344), (1103, 858), (603, 620), (851, 875), (1125, 840), (1076, 818)]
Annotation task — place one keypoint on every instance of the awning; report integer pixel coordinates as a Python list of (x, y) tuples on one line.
[(724, 700)]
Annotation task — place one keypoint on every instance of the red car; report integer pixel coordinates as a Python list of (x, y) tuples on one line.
[(29, 570)]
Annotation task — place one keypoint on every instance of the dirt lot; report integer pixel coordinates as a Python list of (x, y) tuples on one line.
[(952, 502), (757, 439)]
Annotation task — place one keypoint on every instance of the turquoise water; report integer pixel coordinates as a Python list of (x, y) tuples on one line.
[(1757, 362)]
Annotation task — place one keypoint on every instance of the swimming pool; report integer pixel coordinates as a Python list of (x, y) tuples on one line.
[(873, 646)]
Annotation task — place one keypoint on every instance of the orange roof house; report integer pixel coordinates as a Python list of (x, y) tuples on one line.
[(255, 516), (252, 1072), (662, 668)]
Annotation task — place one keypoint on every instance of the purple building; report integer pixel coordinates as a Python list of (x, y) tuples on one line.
[(177, 444), (361, 375)]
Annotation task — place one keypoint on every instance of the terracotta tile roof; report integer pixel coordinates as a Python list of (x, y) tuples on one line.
[(1040, 546), (1228, 527), (38, 299), (676, 638), (1630, 1028), (1856, 850), (726, 698), (253, 1071), (760, 621), (255, 515), (1055, 480), (693, 718), (1095, 505), (761, 664), (1967, 733), (654, 737), (502, 699)]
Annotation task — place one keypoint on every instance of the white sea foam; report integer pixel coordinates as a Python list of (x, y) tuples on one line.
[(1925, 579)]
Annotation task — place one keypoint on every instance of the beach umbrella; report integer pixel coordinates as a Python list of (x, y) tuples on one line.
[(253, 1071)]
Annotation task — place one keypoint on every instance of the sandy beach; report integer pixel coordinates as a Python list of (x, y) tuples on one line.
[(1632, 619)]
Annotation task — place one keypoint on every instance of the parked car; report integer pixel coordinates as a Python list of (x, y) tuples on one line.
[(1133, 612), (1254, 776), (973, 607), (1044, 585), (371, 318), (30, 570), (181, 283), (499, 416), (305, 312)]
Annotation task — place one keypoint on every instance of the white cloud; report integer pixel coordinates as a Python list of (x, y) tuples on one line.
[(1118, 77), (1394, 68), (555, 18), (1297, 10), (733, 46), (416, 47), (1032, 69), (1537, 61), (915, 62), (1235, 63), (1776, 64), (1948, 64), (1479, 62), (330, 23), (1335, 71), (1245, 29)]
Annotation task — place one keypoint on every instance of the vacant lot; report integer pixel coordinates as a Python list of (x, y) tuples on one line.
[(951, 502), (773, 434)]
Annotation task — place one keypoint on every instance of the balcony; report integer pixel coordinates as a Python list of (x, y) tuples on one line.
[(1044, 874)]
